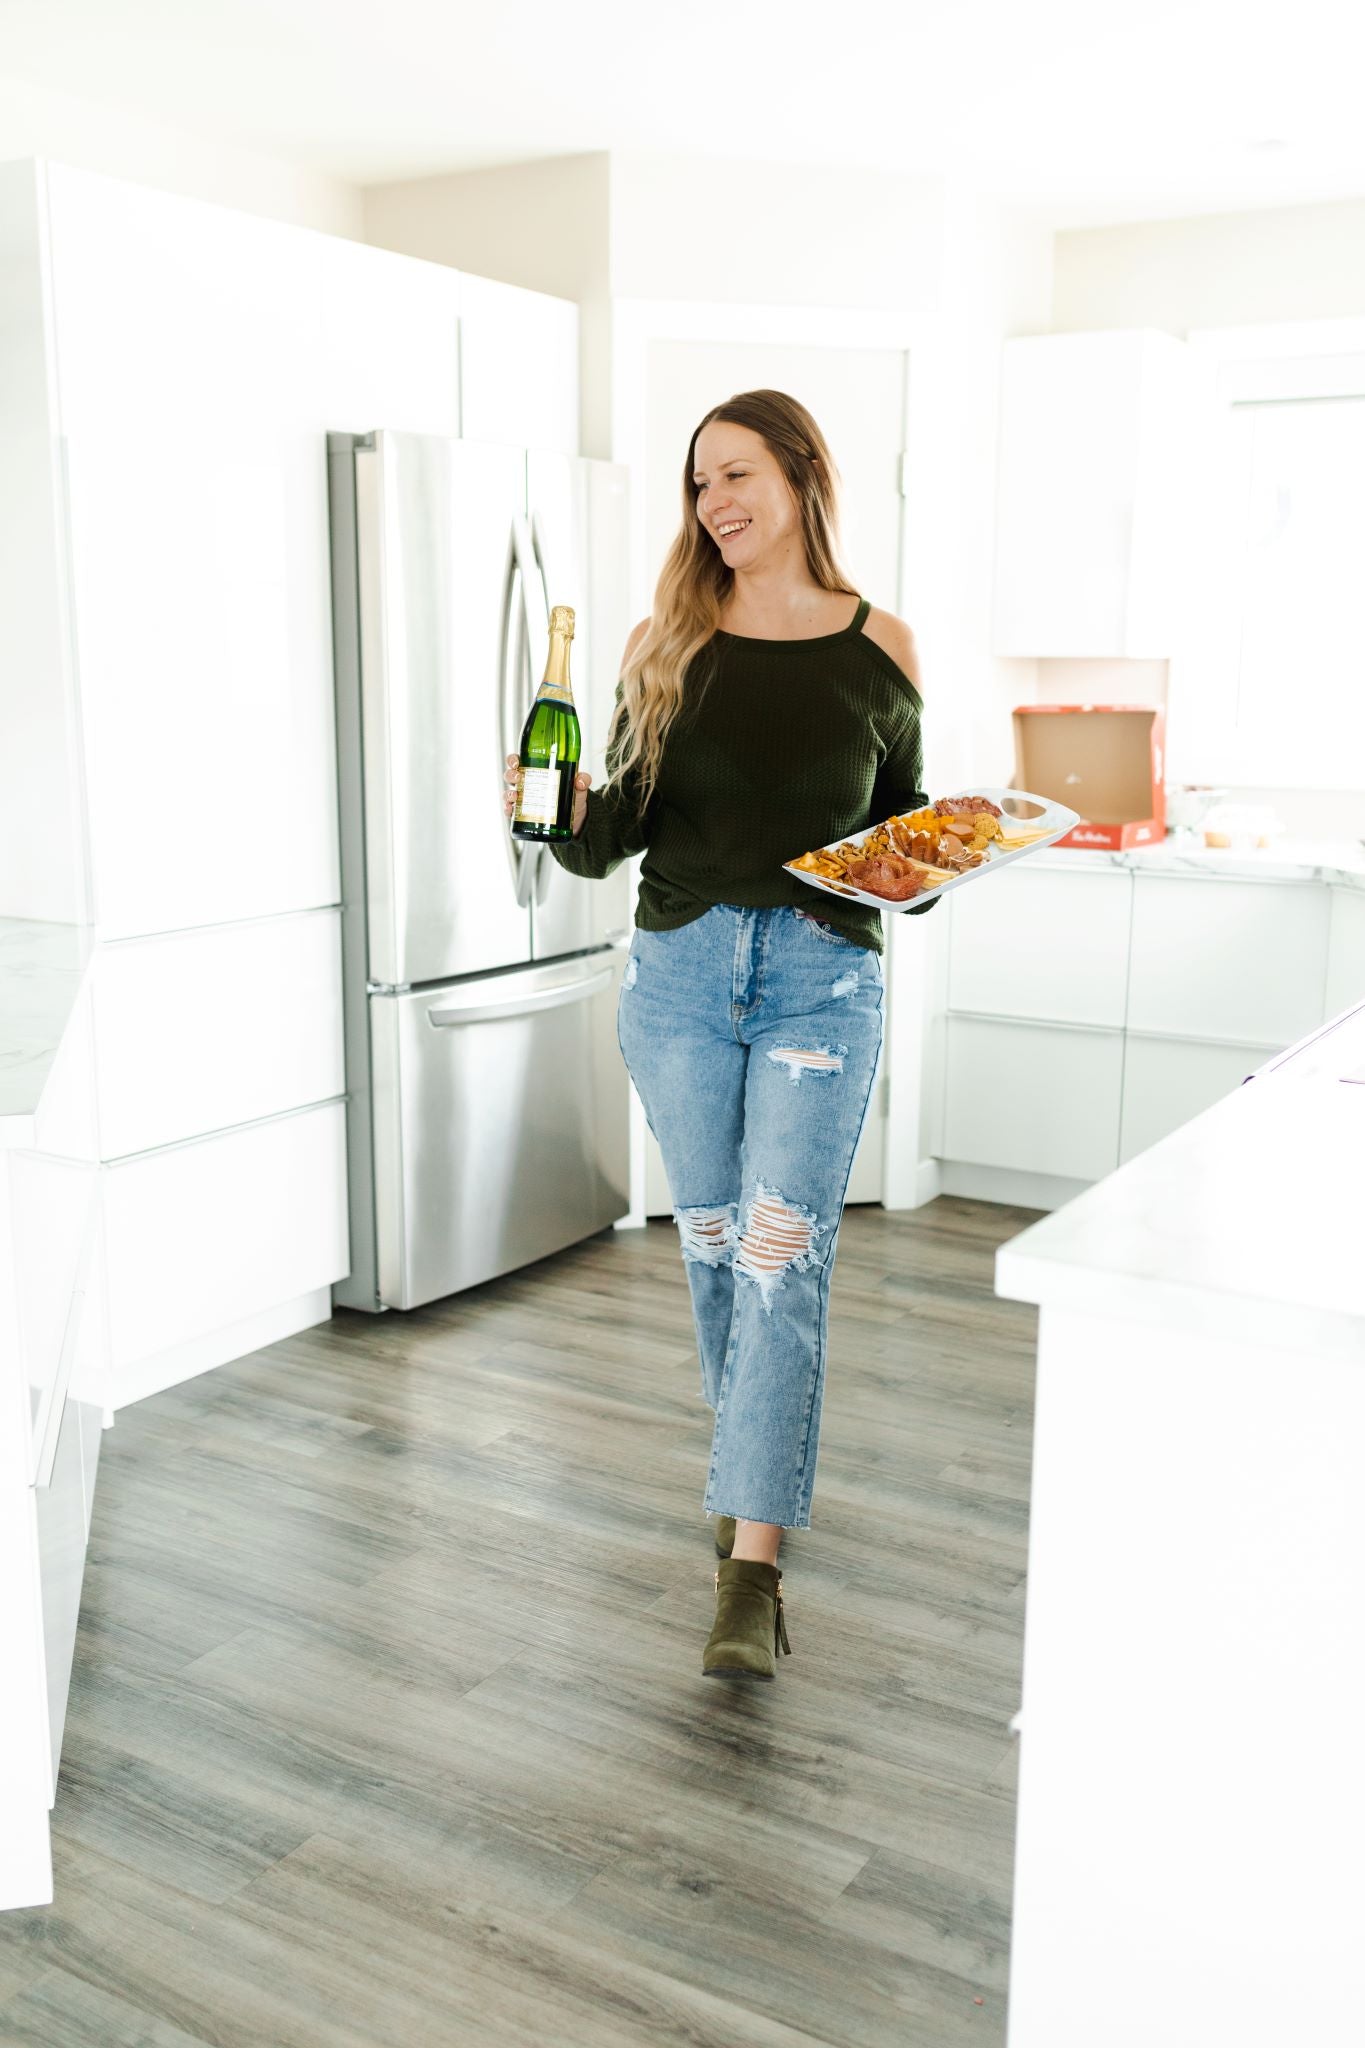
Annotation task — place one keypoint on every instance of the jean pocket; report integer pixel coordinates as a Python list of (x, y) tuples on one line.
[(820, 930)]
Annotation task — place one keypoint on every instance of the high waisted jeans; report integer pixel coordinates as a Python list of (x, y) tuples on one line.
[(752, 1037)]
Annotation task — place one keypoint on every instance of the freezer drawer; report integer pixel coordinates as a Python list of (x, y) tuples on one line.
[(500, 1123)]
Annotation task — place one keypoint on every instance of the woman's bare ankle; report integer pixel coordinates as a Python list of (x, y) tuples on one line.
[(757, 1542)]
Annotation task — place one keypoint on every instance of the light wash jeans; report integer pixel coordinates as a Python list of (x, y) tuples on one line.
[(752, 1037)]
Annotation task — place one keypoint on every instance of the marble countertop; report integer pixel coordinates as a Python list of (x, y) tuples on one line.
[(1338, 861), (1247, 1218), (41, 966)]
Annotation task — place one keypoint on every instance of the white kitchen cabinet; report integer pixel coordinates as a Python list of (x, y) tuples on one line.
[(53, 1221), (1345, 951), (1042, 944), (60, 1529), (390, 341), (199, 573), (1093, 494), (172, 316), (187, 342), (518, 366), (1242, 962), (1035, 1098), (204, 1235), (198, 357), (1197, 978), (197, 1031), (66, 1121), (40, 825), (1166, 1081)]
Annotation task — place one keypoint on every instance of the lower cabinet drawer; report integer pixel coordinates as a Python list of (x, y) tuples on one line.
[(205, 1030), (201, 1235), (1033, 1097), (1166, 1081)]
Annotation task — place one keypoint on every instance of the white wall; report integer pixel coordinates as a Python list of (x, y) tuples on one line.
[(780, 234), (1275, 265), (634, 225), (36, 122), (996, 282), (1218, 270), (967, 272)]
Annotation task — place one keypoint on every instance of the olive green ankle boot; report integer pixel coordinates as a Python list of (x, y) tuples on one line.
[(724, 1533), (749, 1625)]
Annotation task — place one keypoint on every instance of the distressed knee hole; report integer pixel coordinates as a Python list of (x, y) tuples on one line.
[(809, 1059), (778, 1236), (707, 1235)]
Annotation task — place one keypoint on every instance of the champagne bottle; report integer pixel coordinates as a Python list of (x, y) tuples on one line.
[(550, 745)]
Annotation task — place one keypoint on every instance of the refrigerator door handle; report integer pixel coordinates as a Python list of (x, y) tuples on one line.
[(545, 869), (448, 1013), (513, 698), (541, 554), (533, 874), (531, 574)]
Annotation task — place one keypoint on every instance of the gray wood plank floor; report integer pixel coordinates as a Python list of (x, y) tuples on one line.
[(387, 1723)]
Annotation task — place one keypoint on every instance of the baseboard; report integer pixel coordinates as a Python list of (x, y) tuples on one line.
[(1005, 1184), (923, 1185), (162, 1369)]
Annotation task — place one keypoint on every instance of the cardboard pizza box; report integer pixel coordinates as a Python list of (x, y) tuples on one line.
[(1106, 761)]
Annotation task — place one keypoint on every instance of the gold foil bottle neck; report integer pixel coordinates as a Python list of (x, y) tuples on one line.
[(562, 620)]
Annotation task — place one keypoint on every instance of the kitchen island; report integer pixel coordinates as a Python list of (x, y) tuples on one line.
[(1192, 1767)]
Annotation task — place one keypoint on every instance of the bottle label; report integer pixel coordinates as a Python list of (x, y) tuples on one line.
[(554, 693), (538, 802)]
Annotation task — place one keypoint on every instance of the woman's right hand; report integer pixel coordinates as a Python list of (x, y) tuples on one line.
[(581, 785)]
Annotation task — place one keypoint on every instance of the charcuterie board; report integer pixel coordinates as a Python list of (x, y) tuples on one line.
[(923, 853)]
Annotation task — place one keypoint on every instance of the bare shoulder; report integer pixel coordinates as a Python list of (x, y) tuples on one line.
[(895, 639), (637, 634)]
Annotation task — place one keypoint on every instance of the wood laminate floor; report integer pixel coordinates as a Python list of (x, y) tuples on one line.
[(387, 1726)]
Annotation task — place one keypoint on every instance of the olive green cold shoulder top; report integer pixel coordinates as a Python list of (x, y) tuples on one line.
[(780, 746)]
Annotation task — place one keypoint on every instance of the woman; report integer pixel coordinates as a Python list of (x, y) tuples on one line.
[(764, 709)]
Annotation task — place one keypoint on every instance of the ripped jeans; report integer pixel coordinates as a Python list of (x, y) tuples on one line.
[(752, 1037)]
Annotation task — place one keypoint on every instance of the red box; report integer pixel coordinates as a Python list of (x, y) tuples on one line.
[(1107, 761)]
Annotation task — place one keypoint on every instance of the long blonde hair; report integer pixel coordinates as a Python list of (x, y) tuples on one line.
[(694, 582)]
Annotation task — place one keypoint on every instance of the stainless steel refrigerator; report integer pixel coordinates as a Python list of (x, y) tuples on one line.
[(487, 1104)]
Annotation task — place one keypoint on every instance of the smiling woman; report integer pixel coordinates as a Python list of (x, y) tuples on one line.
[(760, 509), (764, 707)]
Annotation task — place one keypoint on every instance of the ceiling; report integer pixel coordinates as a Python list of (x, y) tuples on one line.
[(1082, 109)]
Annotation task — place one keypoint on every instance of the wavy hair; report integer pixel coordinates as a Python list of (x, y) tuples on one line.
[(695, 582)]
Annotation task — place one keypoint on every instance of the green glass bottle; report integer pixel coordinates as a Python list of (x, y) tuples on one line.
[(550, 745)]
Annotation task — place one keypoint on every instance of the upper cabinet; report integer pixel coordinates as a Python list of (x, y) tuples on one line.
[(188, 352), (176, 368), (389, 347), (518, 366), (1097, 433)]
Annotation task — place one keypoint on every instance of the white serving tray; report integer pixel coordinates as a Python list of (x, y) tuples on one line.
[(1049, 820)]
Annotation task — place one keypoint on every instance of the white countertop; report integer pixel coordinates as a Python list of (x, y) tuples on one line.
[(41, 966), (1250, 1216), (1338, 861)]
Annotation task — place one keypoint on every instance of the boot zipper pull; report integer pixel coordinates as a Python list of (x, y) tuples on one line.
[(780, 1633)]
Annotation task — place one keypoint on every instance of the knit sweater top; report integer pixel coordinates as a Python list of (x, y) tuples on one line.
[(780, 746)]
